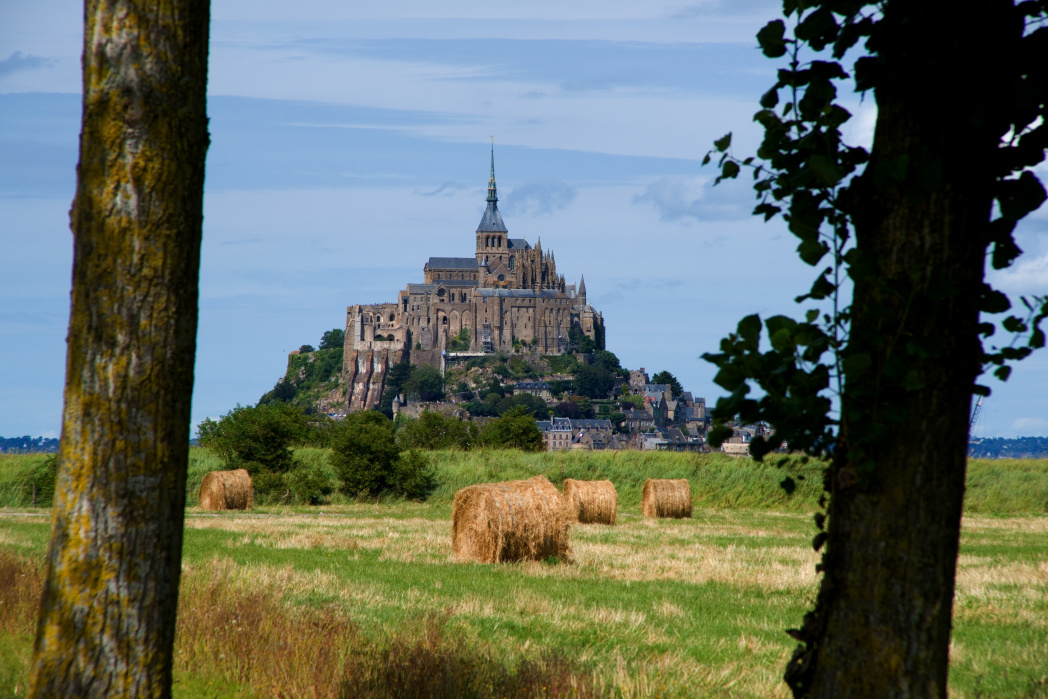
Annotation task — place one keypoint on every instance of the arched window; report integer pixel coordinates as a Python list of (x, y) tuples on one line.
[(512, 262), (391, 317)]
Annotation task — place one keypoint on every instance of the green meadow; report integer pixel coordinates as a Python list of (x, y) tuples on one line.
[(363, 599)]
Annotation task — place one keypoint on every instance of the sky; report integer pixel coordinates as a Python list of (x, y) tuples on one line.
[(350, 142)]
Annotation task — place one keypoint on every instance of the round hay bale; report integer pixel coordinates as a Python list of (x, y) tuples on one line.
[(227, 490), (511, 521), (666, 498), (591, 502)]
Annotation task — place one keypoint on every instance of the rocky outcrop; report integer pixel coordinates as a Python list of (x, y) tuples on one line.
[(364, 376)]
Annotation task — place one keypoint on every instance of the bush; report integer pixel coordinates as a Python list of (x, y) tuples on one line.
[(310, 483), (535, 406), (514, 430), (593, 381), (333, 339), (262, 435), (425, 384), (367, 458), (433, 430)]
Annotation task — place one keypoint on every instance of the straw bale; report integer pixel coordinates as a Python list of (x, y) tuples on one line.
[(510, 521), (666, 498), (227, 490), (591, 502)]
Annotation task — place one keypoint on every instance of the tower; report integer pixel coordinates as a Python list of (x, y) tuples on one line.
[(492, 236)]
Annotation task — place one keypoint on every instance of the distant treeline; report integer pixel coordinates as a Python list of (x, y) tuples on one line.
[(999, 448), (28, 445)]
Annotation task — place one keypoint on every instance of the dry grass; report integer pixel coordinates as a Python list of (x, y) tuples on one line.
[(227, 490), (591, 502), (511, 521), (666, 497), (372, 606)]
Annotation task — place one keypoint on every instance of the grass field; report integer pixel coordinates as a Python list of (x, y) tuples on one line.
[(363, 599)]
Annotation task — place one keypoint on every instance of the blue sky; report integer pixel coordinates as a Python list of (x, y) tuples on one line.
[(350, 143)]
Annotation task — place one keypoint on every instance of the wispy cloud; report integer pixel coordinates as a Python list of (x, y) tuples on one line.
[(445, 190), (540, 198), (1030, 426), (19, 61), (684, 199), (1029, 275)]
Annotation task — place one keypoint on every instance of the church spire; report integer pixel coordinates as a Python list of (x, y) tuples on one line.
[(491, 221), (492, 195)]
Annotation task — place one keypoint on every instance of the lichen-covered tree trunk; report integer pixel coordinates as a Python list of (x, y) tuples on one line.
[(107, 618), (881, 626)]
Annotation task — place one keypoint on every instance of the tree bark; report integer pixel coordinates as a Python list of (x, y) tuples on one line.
[(107, 618), (881, 626)]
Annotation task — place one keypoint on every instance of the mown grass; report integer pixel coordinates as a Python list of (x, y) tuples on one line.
[(369, 602), (363, 599)]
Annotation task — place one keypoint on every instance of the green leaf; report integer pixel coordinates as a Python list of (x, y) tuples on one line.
[(706, 160), (811, 251), (811, 315), (1020, 196), (749, 330), (723, 143), (771, 40), (770, 98), (730, 170), (825, 169), (1003, 372)]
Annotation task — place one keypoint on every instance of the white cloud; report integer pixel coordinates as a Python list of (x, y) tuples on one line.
[(1028, 275), (1030, 426), (691, 199), (539, 198)]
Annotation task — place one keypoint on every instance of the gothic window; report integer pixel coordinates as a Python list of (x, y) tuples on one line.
[(512, 262), (391, 317)]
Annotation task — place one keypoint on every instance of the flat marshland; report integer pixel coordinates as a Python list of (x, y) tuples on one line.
[(364, 599)]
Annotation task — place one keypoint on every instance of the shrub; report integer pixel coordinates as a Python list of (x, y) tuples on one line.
[(262, 435), (369, 461), (535, 406), (310, 483), (333, 339), (514, 430), (433, 430)]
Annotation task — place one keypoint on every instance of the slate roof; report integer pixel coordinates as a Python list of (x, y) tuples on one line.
[(521, 293), (515, 243), (491, 221), (532, 385), (421, 288), (452, 263)]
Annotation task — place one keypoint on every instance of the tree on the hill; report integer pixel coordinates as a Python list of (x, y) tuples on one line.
[(425, 384), (433, 430), (107, 617), (535, 406), (961, 99), (333, 339), (593, 381), (666, 378), (514, 430)]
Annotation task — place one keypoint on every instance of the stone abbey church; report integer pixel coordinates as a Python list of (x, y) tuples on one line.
[(507, 297)]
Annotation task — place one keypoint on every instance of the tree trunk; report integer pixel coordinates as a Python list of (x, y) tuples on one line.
[(881, 626), (107, 619)]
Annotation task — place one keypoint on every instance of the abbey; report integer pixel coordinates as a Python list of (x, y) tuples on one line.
[(507, 297)]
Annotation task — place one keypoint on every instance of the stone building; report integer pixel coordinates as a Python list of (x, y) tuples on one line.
[(507, 297)]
